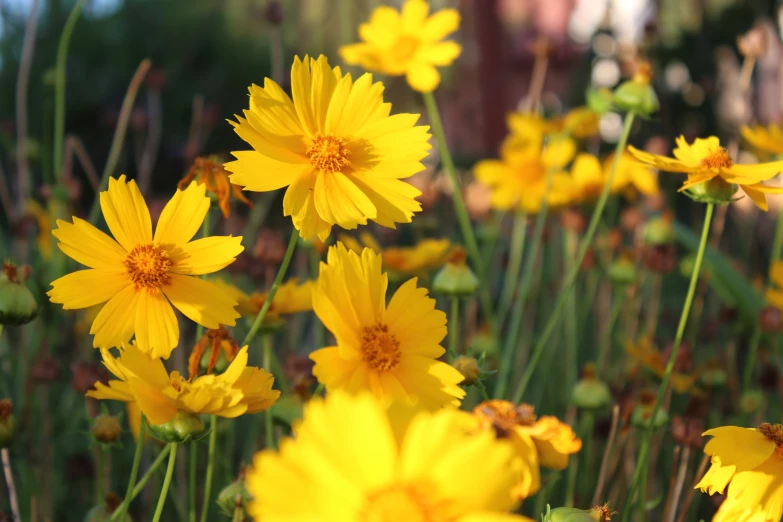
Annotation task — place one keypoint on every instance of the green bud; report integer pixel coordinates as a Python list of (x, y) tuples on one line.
[(469, 368), (104, 512), (752, 401), (659, 231), (6, 423), (640, 417), (183, 428), (17, 304), (716, 191), (622, 271), (232, 496), (636, 96), (590, 393), (567, 514), (599, 100), (456, 278)]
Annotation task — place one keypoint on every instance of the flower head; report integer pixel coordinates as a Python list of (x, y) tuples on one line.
[(210, 172), (407, 43), (140, 275), (353, 461), (766, 139), (292, 297), (144, 380), (388, 350), (336, 148), (705, 160), (750, 462), (425, 255)]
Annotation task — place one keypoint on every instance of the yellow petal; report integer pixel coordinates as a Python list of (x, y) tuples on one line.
[(756, 195), (85, 288), (298, 203), (114, 324), (661, 162), (340, 202), (440, 25), (332, 370), (87, 245), (157, 329), (442, 53), (206, 255), (414, 13), (758, 172), (423, 77), (126, 213), (717, 477), (201, 301), (158, 408), (182, 216), (741, 447), (254, 171)]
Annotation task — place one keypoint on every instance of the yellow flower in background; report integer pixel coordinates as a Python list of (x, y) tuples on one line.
[(581, 122), (336, 148), (406, 43), (44, 224), (352, 461), (647, 355), (425, 255), (767, 139), (775, 295), (140, 275), (210, 172), (588, 178), (391, 350), (292, 297), (750, 462), (631, 177), (240, 389), (705, 160)]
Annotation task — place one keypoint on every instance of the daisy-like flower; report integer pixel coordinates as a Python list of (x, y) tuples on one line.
[(352, 461), (210, 172), (407, 43), (292, 297), (425, 255), (140, 275), (630, 178), (160, 396), (336, 148), (709, 167), (750, 462), (767, 139), (388, 350)]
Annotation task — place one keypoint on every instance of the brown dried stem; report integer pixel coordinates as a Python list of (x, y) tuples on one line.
[(599, 489), (692, 491), (22, 80)]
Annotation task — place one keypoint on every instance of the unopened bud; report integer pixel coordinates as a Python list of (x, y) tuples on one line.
[(106, 429), (637, 95), (568, 514), (234, 496), (456, 278), (17, 304), (659, 230), (623, 270), (469, 368), (599, 100), (715, 191), (590, 393), (183, 428), (752, 401), (641, 417)]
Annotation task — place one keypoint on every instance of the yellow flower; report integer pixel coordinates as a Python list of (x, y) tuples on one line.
[(767, 139), (646, 354), (588, 178), (210, 172), (705, 160), (631, 177), (388, 350), (750, 462), (44, 224), (292, 297), (426, 255), (352, 461), (775, 295), (240, 389), (581, 122), (406, 43), (336, 148), (140, 276)]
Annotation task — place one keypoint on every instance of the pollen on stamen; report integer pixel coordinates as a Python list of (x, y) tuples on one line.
[(328, 153), (773, 432), (148, 267), (380, 348), (717, 159)]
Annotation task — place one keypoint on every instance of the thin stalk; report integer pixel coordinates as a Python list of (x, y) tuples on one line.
[(210, 467), (692, 491), (123, 509), (454, 328), (272, 291), (641, 462), (517, 248), (599, 488), (572, 353), (574, 272), (777, 243), (587, 430), (680, 481), (9, 481), (22, 81), (166, 482), (462, 212), (606, 340), (192, 462), (750, 364), (573, 469), (319, 390), (99, 475), (269, 433)]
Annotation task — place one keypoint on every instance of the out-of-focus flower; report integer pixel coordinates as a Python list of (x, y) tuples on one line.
[(398, 465), (210, 172), (645, 353), (391, 350), (425, 255), (292, 297), (43, 222), (754, 43), (632, 178), (336, 148), (767, 139), (581, 122), (478, 200), (750, 462), (409, 43), (775, 294), (140, 276), (712, 175)]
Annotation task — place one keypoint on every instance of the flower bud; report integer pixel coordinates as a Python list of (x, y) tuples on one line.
[(234, 496), (641, 415), (659, 230), (566, 514), (17, 304), (456, 278), (6, 423), (752, 401), (636, 96), (599, 100), (104, 512), (715, 191), (623, 270), (590, 393), (106, 429), (469, 368), (183, 428)]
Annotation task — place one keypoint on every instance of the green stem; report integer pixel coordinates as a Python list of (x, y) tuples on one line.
[(99, 475), (269, 427), (606, 341), (122, 509), (319, 390), (210, 467), (319, 333), (750, 364), (462, 212), (289, 253), (454, 328), (59, 87), (166, 482), (587, 429), (565, 292), (192, 462), (644, 448), (134, 470), (777, 243), (572, 353), (518, 237)]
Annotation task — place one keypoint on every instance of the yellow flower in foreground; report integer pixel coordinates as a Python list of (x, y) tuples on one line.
[(388, 350), (425, 255), (210, 172), (140, 275), (406, 43), (352, 461), (750, 462), (240, 389), (767, 139), (705, 160), (336, 148)]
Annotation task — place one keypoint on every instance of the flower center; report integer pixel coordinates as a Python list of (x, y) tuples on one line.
[(399, 503), (405, 48), (381, 349), (148, 266), (774, 432), (717, 159), (503, 416), (328, 153)]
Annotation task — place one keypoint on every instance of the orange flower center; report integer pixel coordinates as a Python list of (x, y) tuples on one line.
[(328, 153), (717, 159), (380, 348), (774, 432), (148, 266), (503, 416), (402, 502)]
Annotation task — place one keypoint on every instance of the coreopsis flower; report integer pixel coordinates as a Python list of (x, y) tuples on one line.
[(750, 462), (425, 255), (336, 148), (160, 396), (766, 139), (711, 170), (589, 175), (210, 172), (580, 122), (292, 297), (389, 350), (353, 461), (631, 177), (409, 43), (138, 275)]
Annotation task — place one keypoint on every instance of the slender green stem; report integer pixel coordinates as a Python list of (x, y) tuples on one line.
[(483, 390), (462, 212), (122, 509), (192, 462), (587, 475), (750, 364), (777, 243), (59, 87), (454, 328), (99, 475), (570, 241), (319, 390), (516, 252), (644, 448), (289, 253), (166, 482), (565, 292), (210, 467), (269, 428), (606, 340)]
